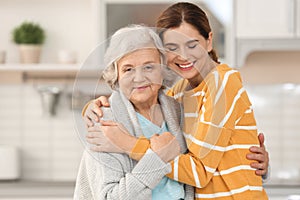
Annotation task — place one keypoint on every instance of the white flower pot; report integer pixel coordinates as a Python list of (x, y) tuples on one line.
[(30, 53)]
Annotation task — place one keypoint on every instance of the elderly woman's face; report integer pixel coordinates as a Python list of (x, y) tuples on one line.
[(140, 75)]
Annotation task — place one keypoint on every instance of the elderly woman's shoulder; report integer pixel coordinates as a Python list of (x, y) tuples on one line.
[(171, 99), (171, 102), (164, 93)]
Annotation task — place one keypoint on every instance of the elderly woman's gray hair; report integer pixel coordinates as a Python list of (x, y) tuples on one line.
[(127, 40)]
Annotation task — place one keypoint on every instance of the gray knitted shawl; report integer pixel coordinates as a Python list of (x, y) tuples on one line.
[(123, 112), (115, 176)]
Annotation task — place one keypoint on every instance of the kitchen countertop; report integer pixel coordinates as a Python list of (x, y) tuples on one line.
[(30, 189), (64, 190), (283, 192)]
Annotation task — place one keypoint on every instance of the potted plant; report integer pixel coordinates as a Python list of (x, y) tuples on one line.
[(30, 37)]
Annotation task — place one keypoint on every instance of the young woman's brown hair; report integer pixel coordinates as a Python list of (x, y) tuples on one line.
[(173, 16)]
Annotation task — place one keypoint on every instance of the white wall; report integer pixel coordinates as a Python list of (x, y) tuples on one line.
[(50, 149), (68, 25), (272, 81), (277, 112)]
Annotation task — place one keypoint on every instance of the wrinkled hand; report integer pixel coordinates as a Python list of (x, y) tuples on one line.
[(260, 155), (165, 145), (100, 142), (93, 112)]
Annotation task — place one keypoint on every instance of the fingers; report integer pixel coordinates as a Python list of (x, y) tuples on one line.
[(90, 114), (163, 141), (96, 108), (102, 101), (94, 141), (260, 155), (95, 138), (261, 168), (93, 135), (257, 157), (88, 121), (94, 129), (261, 139), (255, 149), (94, 111), (260, 172), (108, 123), (113, 129)]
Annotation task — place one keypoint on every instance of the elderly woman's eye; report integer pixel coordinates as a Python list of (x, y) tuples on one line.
[(148, 67), (128, 69)]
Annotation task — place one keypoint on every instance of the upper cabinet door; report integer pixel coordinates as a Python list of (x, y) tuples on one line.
[(265, 18), (298, 17)]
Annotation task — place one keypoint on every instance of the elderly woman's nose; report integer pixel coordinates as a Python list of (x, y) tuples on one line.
[(139, 75)]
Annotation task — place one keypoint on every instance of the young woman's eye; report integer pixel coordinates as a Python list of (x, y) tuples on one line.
[(192, 46), (171, 48)]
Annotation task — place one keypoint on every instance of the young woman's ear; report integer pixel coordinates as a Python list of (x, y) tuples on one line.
[(209, 41)]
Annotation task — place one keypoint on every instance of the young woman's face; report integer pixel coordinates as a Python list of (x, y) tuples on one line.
[(140, 75), (187, 51)]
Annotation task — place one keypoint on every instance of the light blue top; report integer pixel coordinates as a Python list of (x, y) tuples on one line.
[(167, 189)]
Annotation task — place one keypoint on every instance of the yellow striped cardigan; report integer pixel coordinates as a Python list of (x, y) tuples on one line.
[(219, 127)]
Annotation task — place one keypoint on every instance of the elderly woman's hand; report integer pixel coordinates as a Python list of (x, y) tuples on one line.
[(260, 155), (93, 112), (165, 145)]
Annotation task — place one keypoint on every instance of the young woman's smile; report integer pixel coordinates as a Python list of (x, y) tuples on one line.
[(186, 66)]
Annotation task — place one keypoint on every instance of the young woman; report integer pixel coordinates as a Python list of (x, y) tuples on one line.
[(219, 124)]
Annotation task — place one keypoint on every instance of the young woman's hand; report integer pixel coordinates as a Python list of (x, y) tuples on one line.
[(260, 155), (110, 137), (99, 142), (93, 112), (165, 146)]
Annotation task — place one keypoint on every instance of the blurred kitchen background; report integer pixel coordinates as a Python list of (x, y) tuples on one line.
[(40, 147)]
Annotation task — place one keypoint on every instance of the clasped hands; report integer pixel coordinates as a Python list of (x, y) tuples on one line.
[(114, 138)]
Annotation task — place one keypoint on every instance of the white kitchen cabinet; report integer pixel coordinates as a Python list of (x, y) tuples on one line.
[(298, 17), (268, 25), (266, 19)]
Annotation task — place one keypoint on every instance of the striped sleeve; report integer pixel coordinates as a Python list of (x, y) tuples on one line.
[(140, 148), (198, 166)]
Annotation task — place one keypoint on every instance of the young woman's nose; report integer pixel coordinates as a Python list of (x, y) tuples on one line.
[(182, 54)]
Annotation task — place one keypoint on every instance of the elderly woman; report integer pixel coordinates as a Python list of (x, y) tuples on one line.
[(134, 70)]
